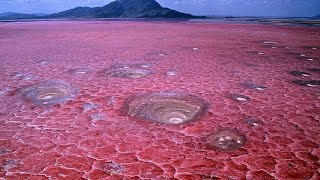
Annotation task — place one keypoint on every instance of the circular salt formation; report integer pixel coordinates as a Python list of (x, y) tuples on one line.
[(270, 42), (226, 140), (97, 117), (171, 73), (44, 62), (79, 71), (23, 76), (306, 58), (128, 73), (239, 97), (253, 121), (167, 108), (254, 86), (299, 73), (310, 83), (310, 47), (49, 92)]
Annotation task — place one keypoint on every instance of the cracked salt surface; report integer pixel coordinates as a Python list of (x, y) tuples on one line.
[(272, 136)]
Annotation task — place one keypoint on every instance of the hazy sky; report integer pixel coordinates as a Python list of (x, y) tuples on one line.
[(196, 7)]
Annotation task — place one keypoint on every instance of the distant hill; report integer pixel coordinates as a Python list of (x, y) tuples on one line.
[(14, 15), (17, 16), (124, 9), (317, 16), (115, 9), (6, 14)]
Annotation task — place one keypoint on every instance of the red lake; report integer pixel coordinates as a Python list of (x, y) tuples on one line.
[(159, 100)]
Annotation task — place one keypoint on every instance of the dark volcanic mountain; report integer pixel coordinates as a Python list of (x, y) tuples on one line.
[(124, 9)]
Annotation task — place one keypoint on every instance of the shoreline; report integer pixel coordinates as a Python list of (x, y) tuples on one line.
[(306, 22)]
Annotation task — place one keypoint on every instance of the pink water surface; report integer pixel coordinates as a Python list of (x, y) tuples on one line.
[(213, 61)]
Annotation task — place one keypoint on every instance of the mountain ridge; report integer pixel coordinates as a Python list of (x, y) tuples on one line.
[(14, 15), (124, 9)]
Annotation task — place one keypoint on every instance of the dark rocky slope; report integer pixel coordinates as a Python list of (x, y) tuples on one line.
[(124, 9)]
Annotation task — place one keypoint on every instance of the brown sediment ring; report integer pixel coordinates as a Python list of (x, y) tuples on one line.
[(52, 93), (226, 140), (48, 92), (48, 95), (166, 108), (127, 73)]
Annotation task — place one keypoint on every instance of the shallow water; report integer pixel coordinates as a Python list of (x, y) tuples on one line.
[(260, 85)]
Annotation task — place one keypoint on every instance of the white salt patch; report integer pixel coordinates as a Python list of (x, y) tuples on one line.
[(310, 59), (260, 53), (81, 72), (228, 138), (270, 42), (62, 175), (260, 89), (161, 54), (273, 47), (171, 73), (314, 48), (175, 120), (311, 85), (306, 75), (195, 48), (241, 99), (302, 55), (44, 62), (47, 97)]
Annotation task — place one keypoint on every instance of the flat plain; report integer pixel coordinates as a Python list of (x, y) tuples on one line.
[(108, 99)]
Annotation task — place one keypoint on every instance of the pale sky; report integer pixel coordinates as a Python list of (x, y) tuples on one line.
[(196, 7)]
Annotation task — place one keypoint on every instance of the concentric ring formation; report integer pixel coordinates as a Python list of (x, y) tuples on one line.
[(49, 92), (166, 107), (126, 72), (226, 140)]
